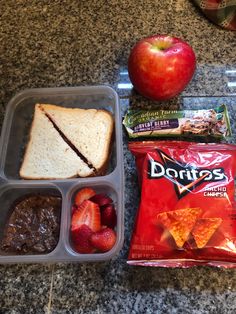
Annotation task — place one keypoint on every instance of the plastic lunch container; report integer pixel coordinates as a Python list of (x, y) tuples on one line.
[(15, 132)]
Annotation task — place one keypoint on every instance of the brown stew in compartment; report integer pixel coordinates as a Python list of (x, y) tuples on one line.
[(34, 225)]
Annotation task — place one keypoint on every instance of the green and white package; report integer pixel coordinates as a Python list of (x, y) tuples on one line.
[(157, 123)]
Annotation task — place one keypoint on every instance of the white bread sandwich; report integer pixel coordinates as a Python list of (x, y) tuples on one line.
[(67, 143)]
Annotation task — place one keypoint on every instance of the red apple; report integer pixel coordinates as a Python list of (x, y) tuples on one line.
[(161, 66)]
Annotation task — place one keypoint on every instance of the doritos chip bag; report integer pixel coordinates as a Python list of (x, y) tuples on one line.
[(187, 212)]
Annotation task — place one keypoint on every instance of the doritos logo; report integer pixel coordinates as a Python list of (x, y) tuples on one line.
[(185, 177)]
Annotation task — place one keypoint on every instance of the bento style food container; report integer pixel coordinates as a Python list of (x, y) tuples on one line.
[(15, 134)]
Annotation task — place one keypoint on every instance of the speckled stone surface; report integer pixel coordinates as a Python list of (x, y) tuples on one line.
[(68, 43)]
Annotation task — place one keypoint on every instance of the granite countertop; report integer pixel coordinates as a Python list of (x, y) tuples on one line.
[(71, 43)]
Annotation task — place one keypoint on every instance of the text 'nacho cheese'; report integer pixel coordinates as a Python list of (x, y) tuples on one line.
[(187, 212)]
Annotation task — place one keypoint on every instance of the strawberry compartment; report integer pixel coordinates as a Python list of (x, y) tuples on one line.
[(86, 219)]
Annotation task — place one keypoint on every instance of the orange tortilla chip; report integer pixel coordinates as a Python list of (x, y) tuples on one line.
[(179, 223), (204, 230)]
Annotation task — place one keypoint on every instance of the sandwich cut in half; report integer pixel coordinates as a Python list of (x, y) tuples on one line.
[(67, 143)]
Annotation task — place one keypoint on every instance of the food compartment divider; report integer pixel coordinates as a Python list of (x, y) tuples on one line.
[(89, 97)]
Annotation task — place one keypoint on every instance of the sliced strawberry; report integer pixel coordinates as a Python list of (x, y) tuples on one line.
[(81, 239), (103, 240), (101, 199), (108, 216), (84, 194), (88, 213), (74, 208)]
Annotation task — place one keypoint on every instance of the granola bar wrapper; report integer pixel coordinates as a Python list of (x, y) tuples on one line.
[(187, 211), (160, 123)]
